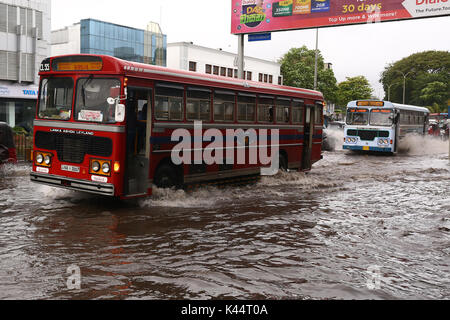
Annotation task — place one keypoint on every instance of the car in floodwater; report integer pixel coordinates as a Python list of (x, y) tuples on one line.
[(7, 146)]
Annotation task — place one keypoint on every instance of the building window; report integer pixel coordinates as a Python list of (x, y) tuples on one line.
[(249, 75), (12, 19), (260, 78), (270, 79), (223, 71), (230, 72), (192, 66), (3, 20), (216, 70), (280, 81), (235, 73), (266, 78), (208, 68)]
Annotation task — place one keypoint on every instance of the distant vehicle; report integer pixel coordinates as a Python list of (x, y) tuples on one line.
[(336, 125), (7, 147), (434, 130), (379, 126)]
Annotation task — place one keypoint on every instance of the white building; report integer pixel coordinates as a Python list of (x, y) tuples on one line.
[(187, 56), (24, 43)]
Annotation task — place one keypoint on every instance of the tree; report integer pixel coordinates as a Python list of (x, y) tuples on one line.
[(297, 68), (427, 81), (356, 88)]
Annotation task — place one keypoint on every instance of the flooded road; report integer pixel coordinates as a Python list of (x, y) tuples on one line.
[(356, 227)]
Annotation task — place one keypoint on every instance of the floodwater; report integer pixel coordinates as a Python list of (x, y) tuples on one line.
[(356, 227)]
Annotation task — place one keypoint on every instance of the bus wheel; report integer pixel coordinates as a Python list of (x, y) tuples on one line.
[(166, 177), (283, 163)]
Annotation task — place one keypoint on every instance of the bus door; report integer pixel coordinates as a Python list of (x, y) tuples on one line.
[(308, 141), (139, 110)]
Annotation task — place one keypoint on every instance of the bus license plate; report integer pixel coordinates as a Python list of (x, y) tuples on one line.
[(366, 148), (70, 168)]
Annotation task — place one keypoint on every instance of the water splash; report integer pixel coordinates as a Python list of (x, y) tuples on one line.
[(422, 145), (335, 139), (206, 197)]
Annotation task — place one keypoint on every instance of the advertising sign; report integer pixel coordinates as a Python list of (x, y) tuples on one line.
[(18, 92), (259, 16)]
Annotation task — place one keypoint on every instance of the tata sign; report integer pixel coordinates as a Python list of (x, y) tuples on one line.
[(18, 92), (259, 16)]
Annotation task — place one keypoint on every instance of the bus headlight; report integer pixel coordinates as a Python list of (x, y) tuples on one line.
[(39, 158), (95, 166), (106, 168), (100, 167), (43, 159), (47, 160)]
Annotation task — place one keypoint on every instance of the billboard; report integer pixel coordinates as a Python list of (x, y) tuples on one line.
[(256, 16)]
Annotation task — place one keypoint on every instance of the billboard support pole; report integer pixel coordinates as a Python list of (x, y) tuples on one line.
[(240, 66), (317, 60)]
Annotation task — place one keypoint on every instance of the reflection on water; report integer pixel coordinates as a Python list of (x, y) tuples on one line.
[(289, 236)]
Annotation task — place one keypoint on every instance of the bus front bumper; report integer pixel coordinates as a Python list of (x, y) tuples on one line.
[(73, 184), (368, 148)]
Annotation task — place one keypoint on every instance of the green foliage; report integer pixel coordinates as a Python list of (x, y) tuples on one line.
[(297, 68), (356, 88), (20, 131), (427, 81)]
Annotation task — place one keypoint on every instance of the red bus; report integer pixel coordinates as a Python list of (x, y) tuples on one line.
[(104, 125)]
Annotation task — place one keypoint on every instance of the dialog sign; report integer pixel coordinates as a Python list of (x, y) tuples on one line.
[(256, 16)]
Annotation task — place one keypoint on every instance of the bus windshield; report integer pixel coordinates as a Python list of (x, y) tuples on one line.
[(381, 117), (358, 117), (55, 98), (91, 100)]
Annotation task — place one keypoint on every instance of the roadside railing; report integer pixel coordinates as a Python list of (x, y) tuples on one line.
[(24, 147)]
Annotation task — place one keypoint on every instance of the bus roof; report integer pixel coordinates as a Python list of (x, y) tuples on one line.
[(118, 66), (388, 104)]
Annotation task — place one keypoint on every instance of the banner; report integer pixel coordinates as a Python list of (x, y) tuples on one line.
[(255, 16)]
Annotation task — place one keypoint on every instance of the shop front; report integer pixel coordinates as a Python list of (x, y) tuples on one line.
[(18, 105)]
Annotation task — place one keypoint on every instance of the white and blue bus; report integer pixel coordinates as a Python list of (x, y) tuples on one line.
[(379, 126)]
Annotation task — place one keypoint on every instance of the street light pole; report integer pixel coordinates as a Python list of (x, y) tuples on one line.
[(404, 85), (389, 91)]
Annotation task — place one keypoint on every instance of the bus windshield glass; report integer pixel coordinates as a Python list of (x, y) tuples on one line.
[(358, 117), (55, 98), (92, 99), (381, 117)]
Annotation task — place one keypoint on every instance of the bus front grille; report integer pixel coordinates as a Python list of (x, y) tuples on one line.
[(368, 135), (73, 148)]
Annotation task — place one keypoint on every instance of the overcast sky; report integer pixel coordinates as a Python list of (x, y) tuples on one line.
[(353, 50)]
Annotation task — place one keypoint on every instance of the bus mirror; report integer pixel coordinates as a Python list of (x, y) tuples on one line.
[(120, 113), (111, 101)]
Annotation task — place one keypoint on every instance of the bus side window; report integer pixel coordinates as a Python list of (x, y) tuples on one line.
[(266, 111), (246, 108), (169, 102), (297, 112), (224, 103), (283, 110)]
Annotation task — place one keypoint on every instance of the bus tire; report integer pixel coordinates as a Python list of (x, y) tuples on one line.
[(166, 177), (283, 163)]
